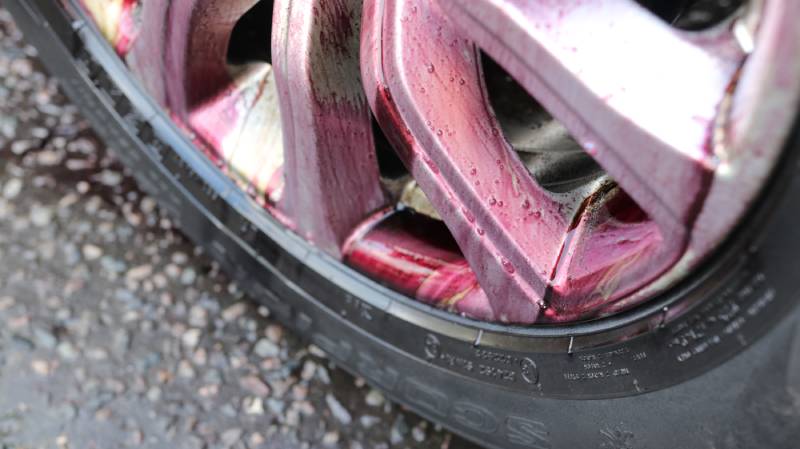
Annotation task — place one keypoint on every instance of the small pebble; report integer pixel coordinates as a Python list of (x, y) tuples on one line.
[(190, 338), (374, 398), (266, 348), (338, 410), (12, 188), (41, 215), (91, 252)]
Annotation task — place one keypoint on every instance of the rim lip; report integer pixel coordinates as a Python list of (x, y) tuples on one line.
[(553, 338)]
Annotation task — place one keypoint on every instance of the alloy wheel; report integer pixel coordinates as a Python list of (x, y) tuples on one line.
[(510, 161)]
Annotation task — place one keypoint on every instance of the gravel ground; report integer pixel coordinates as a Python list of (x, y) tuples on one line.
[(116, 331)]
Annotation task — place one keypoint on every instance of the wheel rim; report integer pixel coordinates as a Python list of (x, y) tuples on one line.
[(515, 251)]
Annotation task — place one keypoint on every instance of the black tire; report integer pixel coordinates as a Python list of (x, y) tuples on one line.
[(723, 373)]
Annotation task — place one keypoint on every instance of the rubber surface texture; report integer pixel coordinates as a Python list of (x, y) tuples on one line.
[(724, 373)]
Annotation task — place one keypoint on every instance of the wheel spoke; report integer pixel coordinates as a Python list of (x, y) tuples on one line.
[(423, 77), (750, 138), (331, 172), (324, 176), (639, 95), (180, 56), (612, 250), (146, 58)]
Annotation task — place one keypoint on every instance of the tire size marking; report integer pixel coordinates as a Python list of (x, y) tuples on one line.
[(603, 365), (722, 318)]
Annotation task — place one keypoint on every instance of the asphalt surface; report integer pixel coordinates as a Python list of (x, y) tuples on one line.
[(116, 331)]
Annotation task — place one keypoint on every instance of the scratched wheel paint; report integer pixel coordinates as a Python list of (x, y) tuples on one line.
[(553, 200)]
